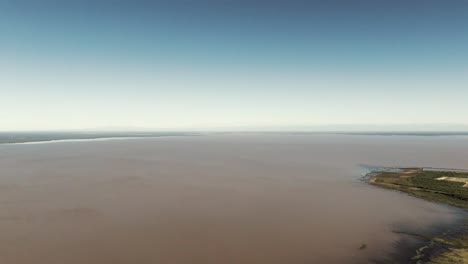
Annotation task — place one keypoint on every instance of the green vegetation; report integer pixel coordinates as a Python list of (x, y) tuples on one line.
[(447, 187), (427, 185)]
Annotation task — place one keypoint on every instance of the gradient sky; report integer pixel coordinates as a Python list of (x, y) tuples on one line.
[(232, 64)]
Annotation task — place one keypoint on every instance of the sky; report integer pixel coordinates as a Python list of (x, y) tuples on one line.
[(233, 65)]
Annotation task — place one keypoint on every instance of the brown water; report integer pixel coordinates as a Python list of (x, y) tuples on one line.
[(213, 199)]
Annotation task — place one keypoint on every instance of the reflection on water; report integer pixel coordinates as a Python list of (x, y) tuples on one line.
[(213, 199)]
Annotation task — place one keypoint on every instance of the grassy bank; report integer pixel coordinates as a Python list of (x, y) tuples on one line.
[(447, 187)]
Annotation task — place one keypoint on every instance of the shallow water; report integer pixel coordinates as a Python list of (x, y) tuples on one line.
[(233, 198)]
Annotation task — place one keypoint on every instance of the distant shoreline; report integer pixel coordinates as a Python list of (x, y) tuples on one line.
[(70, 140), (56, 137), (23, 137)]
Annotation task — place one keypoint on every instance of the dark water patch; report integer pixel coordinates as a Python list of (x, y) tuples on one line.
[(412, 239)]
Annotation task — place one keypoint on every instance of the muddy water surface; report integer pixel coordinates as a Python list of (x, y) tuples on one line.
[(213, 199)]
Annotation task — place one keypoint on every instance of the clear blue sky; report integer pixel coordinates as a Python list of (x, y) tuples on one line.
[(233, 64)]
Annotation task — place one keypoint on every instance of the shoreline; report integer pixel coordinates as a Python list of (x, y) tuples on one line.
[(449, 244), (70, 140), (43, 138)]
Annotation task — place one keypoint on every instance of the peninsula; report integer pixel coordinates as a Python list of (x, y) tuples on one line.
[(437, 185)]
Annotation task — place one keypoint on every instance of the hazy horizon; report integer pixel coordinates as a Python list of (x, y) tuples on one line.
[(230, 65), (344, 128)]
